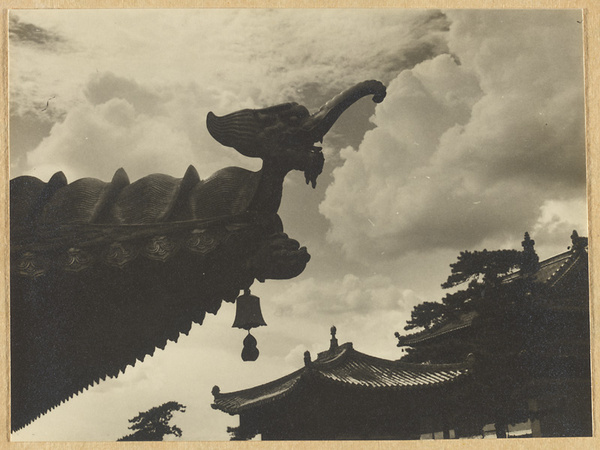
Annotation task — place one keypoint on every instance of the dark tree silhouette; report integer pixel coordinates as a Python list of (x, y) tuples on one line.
[(485, 301), (425, 315), (501, 317), (153, 424), (482, 270), (240, 434), (483, 266), (518, 331)]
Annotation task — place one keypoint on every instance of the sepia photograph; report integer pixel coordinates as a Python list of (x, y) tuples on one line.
[(298, 225)]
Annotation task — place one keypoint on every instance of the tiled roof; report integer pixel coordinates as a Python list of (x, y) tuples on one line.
[(464, 321), (549, 273), (344, 366), (552, 270), (234, 402)]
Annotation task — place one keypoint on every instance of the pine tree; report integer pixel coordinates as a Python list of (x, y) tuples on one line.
[(153, 425), (481, 271)]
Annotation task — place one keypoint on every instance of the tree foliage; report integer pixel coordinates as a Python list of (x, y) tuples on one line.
[(480, 270), (485, 266), (240, 433), (425, 315), (503, 328), (153, 425)]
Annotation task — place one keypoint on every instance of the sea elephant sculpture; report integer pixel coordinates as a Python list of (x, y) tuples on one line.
[(102, 273)]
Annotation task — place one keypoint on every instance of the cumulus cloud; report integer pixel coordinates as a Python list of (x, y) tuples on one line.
[(345, 296), (558, 218), (334, 49), (145, 129), (366, 311), (205, 59), (470, 145)]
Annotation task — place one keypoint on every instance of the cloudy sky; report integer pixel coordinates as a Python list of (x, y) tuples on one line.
[(480, 138)]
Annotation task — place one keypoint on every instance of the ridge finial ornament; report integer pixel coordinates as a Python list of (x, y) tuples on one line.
[(578, 242), (307, 358), (334, 342)]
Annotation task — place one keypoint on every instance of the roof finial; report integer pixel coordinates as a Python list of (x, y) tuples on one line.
[(578, 242), (470, 360), (530, 258), (333, 342), (307, 360), (527, 243)]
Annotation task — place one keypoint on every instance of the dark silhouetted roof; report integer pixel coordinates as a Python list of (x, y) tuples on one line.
[(348, 367), (552, 270), (463, 321), (549, 273)]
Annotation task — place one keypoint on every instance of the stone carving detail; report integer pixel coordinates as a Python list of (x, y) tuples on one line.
[(204, 241), (118, 254), (113, 270), (30, 266), (77, 259), (159, 248)]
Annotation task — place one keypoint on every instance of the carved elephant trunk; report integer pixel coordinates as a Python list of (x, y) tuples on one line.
[(103, 273), (321, 122), (283, 136)]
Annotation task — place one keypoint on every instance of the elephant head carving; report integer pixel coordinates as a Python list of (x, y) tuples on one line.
[(284, 136), (103, 273)]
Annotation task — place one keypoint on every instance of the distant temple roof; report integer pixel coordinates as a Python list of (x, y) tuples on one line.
[(552, 270), (463, 321), (342, 365), (549, 272)]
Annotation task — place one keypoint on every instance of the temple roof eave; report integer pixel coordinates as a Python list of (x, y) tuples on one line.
[(347, 367)]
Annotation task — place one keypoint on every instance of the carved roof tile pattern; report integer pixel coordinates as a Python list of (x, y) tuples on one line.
[(344, 366)]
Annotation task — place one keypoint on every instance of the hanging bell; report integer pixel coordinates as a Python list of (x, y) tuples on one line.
[(247, 312), (248, 315)]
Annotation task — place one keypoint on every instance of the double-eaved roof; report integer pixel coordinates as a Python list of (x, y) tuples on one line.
[(343, 366)]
